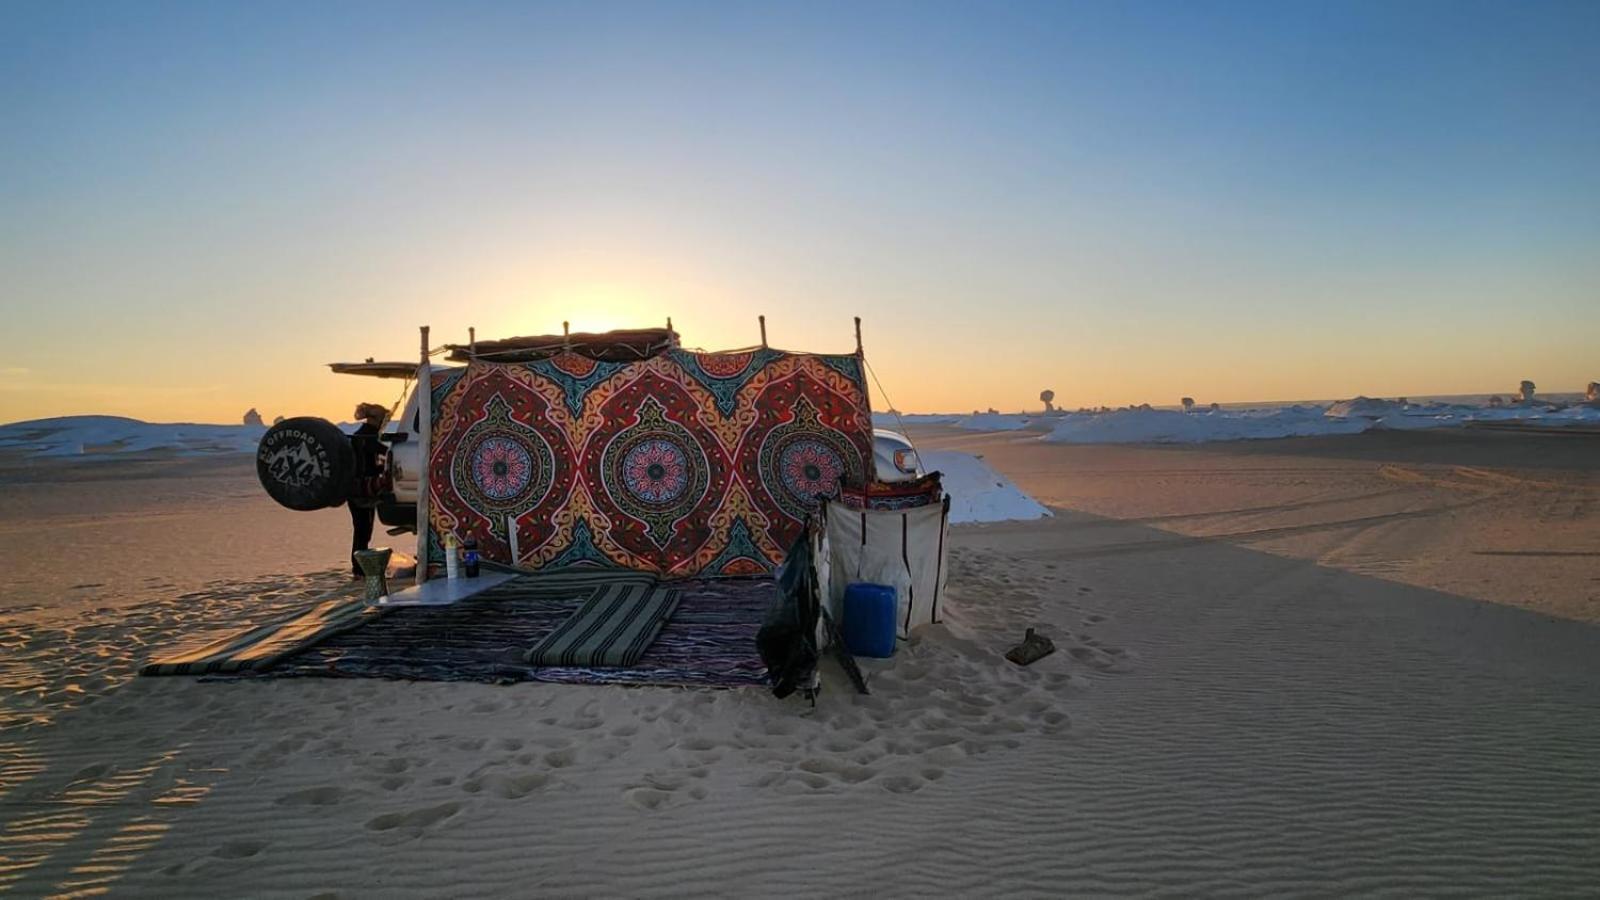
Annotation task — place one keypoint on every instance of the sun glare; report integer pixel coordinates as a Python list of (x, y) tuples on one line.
[(588, 307)]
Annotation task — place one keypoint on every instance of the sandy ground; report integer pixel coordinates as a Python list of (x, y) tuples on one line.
[(1511, 519), (101, 534), (1228, 714)]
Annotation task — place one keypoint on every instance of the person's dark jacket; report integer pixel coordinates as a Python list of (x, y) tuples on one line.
[(370, 456)]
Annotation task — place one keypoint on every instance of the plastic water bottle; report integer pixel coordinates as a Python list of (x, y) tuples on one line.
[(469, 556), (452, 557)]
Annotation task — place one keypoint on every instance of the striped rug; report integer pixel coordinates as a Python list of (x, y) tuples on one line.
[(264, 646), (612, 629), (710, 640), (574, 579), (261, 647)]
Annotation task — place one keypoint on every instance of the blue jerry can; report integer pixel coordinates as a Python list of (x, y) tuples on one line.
[(869, 619)]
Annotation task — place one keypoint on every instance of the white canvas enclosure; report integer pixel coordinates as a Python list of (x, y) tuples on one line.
[(901, 548)]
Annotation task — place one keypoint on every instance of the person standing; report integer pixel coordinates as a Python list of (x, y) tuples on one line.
[(369, 470)]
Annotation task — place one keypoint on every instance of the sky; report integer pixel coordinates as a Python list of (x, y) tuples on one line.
[(203, 204)]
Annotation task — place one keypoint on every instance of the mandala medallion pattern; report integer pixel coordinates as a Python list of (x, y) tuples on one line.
[(684, 464), (655, 472), (501, 466), (809, 468), (802, 459)]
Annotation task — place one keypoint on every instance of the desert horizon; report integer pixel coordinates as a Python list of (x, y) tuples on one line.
[(1575, 396), (375, 522)]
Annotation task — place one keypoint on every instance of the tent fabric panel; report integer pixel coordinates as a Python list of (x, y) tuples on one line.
[(903, 549), (682, 465)]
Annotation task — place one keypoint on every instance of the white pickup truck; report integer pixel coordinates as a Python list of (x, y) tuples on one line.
[(308, 463)]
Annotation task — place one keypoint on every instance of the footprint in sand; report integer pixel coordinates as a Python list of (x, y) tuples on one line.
[(1108, 659), (778, 728), (327, 795), (392, 765), (950, 755), (507, 787), (806, 781), (932, 740), (386, 782), (772, 755), (659, 790), (647, 798), (901, 784), (514, 787), (416, 820), (88, 773), (838, 770), (1090, 656), (239, 849), (584, 718)]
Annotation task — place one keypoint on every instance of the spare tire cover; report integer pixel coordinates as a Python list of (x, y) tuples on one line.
[(306, 463)]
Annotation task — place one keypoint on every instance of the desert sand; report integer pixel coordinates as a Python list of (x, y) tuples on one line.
[(1507, 518), (1315, 668)]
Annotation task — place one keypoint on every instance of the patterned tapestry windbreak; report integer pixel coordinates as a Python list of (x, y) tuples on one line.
[(685, 464)]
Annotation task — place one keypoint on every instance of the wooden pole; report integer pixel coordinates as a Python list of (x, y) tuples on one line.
[(763, 321), (424, 449), (858, 336), (472, 343), (511, 532), (566, 335)]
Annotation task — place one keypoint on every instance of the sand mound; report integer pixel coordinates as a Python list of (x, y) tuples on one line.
[(977, 492), (95, 435), (1159, 426), (995, 422)]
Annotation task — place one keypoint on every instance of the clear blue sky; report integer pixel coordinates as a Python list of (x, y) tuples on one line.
[(202, 203)]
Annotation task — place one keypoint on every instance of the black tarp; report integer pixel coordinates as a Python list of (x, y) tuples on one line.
[(787, 640)]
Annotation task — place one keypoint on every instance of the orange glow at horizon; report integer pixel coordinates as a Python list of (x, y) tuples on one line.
[(1121, 204)]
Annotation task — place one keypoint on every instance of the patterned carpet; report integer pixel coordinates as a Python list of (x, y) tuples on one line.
[(710, 640)]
